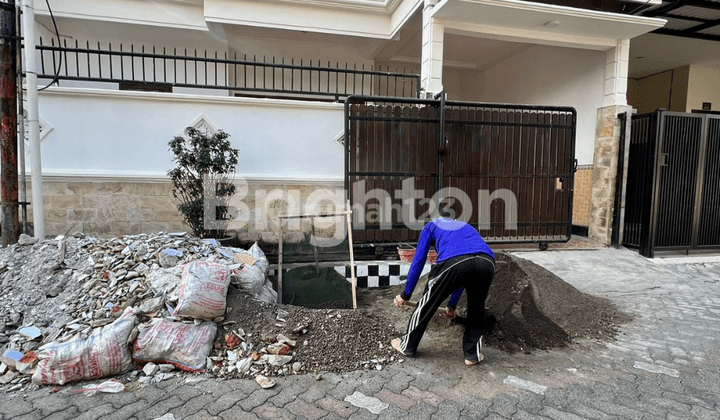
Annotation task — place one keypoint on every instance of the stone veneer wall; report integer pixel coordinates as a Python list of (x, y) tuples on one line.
[(581, 196), (115, 207), (605, 161)]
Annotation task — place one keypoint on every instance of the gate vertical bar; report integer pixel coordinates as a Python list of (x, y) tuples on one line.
[(654, 206), (700, 183), (441, 147)]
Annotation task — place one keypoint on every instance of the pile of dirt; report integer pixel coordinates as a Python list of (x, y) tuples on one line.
[(531, 308), (528, 308)]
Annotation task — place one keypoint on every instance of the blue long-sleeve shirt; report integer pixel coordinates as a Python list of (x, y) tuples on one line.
[(451, 238)]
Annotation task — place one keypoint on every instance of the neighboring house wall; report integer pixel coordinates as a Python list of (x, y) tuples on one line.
[(667, 90), (703, 86), (544, 75)]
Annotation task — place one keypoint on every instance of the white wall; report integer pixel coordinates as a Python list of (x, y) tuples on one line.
[(127, 133), (544, 75)]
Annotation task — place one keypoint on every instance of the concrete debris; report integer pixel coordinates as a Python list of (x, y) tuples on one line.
[(150, 369), (65, 289), (264, 382), (26, 240)]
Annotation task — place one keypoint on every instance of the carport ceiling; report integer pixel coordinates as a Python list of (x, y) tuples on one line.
[(688, 18)]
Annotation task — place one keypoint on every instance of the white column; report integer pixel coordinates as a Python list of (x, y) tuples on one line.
[(432, 51), (33, 119), (616, 74)]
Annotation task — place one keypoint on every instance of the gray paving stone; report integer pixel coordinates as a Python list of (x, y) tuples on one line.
[(688, 399), (477, 408), (313, 392), (671, 384), (398, 382), (66, 414), (50, 404), (11, 408), (363, 415), (589, 412), (200, 415), (287, 394), (616, 409), (343, 389), (422, 411), (393, 413), (372, 385), (533, 403), (118, 400), (128, 411), (702, 413), (648, 406), (255, 399), (495, 416), (524, 415), (98, 412), (237, 413), (194, 405), (160, 408), (448, 410), (225, 402), (334, 416), (504, 406), (35, 415)]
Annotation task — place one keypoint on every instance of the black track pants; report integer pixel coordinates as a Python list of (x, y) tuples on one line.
[(474, 273)]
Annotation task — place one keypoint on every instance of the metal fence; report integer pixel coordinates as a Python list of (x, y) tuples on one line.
[(192, 69), (506, 169), (673, 182)]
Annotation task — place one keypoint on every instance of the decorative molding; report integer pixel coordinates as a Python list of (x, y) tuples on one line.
[(340, 140), (204, 125), (181, 97), (45, 127), (158, 177)]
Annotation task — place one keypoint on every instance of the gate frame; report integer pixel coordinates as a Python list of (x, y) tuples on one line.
[(441, 102)]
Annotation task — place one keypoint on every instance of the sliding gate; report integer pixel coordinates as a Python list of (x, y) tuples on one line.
[(673, 188), (505, 169)]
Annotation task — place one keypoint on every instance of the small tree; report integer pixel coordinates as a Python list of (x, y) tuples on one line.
[(203, 179)]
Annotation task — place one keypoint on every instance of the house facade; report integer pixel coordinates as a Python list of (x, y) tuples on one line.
[(104, 131)]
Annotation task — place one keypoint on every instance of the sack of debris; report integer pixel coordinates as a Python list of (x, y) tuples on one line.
[(252, 276), (203, 290), (184, 345), (104, 353), (249, 278)]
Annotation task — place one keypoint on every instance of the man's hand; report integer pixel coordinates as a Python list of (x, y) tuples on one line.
[(449, 313), (399, 301)]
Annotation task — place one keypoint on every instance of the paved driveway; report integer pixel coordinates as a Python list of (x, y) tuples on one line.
[(665, 364)]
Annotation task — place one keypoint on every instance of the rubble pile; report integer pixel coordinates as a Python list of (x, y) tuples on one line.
[(67, 295)]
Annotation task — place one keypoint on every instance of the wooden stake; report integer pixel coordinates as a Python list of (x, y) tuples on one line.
[(352, 255), (280, 255)]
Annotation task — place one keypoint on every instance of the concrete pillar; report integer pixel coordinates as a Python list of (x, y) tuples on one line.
[(605, 169), (433, 33), (616, 71), (607, 143)]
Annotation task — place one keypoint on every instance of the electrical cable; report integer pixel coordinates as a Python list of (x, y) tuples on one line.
[(646, 3), (57, 34)]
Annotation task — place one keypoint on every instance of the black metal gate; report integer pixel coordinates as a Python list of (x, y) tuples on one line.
[(673, 186), (506, 169)]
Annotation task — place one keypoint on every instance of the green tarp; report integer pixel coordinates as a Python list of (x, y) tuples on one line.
[(304, 286)]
